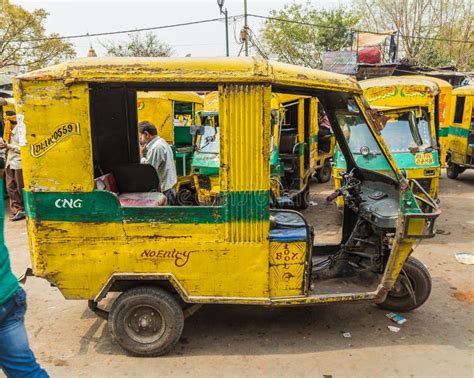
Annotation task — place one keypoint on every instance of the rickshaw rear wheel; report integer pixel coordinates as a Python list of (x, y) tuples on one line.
[(146, 321), (453, 171), (323, 174), (412, 289)]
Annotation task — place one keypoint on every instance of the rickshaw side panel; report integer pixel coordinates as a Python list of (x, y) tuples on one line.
[(158, 111), (81, 238), (80, 258), (58, 157), (458, 147)]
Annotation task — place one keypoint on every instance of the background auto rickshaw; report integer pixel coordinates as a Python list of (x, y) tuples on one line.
[(460, 146), (443, 104), (166, 261), (172, 113), (410, 105), (292, 161)]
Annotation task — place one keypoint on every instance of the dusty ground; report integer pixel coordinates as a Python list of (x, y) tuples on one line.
[(69, 340)]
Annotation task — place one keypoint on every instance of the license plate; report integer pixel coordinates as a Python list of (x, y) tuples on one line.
[(424, 159)]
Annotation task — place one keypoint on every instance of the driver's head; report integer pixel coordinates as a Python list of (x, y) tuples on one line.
[(147, 132)]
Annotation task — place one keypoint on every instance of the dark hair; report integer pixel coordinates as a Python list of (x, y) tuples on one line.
[(147, 126)]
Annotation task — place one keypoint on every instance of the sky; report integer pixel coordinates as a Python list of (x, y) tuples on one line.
[(69, 17)]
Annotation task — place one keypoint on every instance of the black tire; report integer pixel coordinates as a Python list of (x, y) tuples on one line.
[(146, 321), (453, 171), (399, 298), (324, 173), (302, 200)]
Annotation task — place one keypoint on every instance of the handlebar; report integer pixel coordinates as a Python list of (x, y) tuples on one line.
[(333, 196)]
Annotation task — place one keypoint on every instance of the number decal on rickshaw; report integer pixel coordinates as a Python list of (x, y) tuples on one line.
[(424, 159), (58, 135)]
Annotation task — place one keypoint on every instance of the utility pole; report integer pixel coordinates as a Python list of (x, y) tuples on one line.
[(246, 41), (226, 14)]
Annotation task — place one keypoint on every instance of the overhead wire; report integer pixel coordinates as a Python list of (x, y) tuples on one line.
[(358, 30), (198, 22), (128, 31)]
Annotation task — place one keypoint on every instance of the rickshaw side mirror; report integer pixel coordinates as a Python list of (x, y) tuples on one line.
[(196, 130)]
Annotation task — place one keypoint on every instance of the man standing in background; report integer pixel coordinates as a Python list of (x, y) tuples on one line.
[(13, 167), (158, 153)]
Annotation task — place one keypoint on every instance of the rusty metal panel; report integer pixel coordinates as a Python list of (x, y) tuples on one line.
[(287, 268), (58, 153), (244, 116)]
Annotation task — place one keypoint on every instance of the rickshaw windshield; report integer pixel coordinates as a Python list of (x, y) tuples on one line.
[(209, 141), (362, 143), (407, 130)]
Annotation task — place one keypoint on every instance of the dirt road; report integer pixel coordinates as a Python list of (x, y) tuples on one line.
[(437, 340)]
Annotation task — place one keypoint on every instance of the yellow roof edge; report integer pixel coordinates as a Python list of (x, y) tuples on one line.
[(466, 90), (205, 70), (398, 81), (439, 82)]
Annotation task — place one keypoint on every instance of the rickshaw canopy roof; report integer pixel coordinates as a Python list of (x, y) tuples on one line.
[(467, 90), (442, 84), (182, 70), (415, 82)]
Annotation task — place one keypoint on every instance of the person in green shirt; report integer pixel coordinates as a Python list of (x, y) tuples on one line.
[(16, 357)]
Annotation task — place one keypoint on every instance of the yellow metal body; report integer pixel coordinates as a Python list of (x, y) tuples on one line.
[(444, 112), (460, 145), (9, 105), (82, 240), (158, 108)]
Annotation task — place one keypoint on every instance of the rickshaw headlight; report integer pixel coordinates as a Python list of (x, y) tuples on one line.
[(364, 151)]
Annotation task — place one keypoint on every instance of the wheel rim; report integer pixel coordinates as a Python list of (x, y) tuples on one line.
[(400, 289), (144, 324)]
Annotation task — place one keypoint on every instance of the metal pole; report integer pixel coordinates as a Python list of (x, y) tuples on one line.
[(245, 28), (226, 32)]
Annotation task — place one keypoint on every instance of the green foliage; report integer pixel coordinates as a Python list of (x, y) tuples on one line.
[(304, 44), (17, 28), (136, 45)]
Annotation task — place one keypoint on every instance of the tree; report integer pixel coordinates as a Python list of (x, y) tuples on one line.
[(304, 44), (24, 42), (424, 27), (148, 45)]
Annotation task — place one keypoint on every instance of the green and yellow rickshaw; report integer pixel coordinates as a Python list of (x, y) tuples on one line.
[(296, 152), (409, 105), (460, 145), (80, 120)]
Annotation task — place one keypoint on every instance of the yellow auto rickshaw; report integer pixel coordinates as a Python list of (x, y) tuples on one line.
[(410, 105), (460, 146), (443, 106), (166, 261), (296, 151)]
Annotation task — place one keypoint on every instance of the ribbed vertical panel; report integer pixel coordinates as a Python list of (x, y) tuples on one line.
[(244, 114)]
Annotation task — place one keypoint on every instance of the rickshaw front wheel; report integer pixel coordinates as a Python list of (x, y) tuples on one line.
[(146, 321), (412, 289)]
